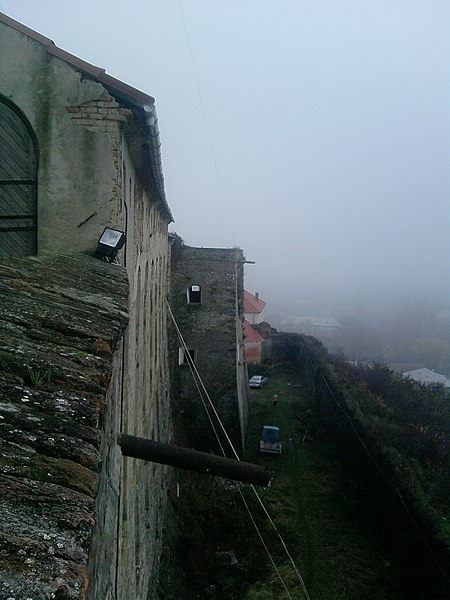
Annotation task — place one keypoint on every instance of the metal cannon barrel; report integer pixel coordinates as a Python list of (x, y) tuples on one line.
[(193, 460)]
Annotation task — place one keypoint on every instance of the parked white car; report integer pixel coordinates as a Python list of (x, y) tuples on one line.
[(258, 381)]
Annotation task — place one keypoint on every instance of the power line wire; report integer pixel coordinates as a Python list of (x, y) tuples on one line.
[(195, 370), (203, 385), (203, 109), (192, 368), (302, 583), (388, 481), (262, 540)]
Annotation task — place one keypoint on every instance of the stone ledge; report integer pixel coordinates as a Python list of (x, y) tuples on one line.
[(61, 318)]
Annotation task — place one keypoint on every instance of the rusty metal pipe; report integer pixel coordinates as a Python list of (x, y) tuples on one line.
[(193, 460)]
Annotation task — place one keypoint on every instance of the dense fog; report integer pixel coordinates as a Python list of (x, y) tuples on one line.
[(312, 134)]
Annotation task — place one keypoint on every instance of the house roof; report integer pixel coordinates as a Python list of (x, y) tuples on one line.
[(250, 334), (312, 321), (119, 89), (253, 304), (427, 376)]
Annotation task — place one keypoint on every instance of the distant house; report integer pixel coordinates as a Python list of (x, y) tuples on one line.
[(320, 327), (427, 376), (253, 341), (253, 308)]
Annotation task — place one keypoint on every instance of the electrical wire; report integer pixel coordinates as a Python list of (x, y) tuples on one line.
[(203, 109), (192, 368), (388, 481), (197, 375), (262, 539), (183, 343), (297, 572)]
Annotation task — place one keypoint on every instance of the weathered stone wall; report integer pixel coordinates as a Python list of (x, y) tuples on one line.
[(76, 174), (93, 171), (81, 133), (62, 321), (146, 400), (213, 330), (76, 517), (241, 364)]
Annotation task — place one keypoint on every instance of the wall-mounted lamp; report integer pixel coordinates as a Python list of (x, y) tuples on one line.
[(109, 244)]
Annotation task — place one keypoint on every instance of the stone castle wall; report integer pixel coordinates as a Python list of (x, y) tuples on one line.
[(146, 402), (62, 322), (76, 518), (92, 173), (213, 332), (85, 351)]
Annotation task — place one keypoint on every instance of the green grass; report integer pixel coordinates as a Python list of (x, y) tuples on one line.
[(38, 377), (315, 506), (313, 503)]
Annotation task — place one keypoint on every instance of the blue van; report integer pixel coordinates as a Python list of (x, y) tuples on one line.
[(269, 442)]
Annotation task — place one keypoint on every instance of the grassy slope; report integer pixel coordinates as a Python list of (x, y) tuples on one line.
[(314, 505)]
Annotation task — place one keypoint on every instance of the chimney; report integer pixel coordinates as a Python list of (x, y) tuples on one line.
[(256, 295)]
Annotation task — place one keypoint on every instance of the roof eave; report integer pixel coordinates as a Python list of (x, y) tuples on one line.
[(118, 89)]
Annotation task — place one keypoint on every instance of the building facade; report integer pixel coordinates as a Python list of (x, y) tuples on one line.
[(208, 346), (253, 341), (253, 308), (80, 151)]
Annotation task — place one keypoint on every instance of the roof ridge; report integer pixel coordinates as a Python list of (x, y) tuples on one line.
[(118, 88)]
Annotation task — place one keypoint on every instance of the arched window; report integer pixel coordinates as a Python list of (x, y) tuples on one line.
[(18, 183)]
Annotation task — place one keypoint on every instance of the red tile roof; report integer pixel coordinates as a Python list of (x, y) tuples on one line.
[(253, 305), (250, 334)]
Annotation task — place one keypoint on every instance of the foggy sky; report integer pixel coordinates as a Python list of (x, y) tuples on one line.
[(317, 138)]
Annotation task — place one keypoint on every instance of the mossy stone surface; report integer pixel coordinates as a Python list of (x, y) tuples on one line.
[(61, 318)]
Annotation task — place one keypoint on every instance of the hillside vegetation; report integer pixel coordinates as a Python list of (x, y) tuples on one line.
[(409, 423), (400, 458), (316, 506), (359, 494)]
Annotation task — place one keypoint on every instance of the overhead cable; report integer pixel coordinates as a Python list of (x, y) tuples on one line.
[(197, 375), (388, 481), (202, 105)]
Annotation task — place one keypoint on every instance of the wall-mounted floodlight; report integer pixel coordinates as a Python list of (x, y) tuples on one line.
[(109, 244)]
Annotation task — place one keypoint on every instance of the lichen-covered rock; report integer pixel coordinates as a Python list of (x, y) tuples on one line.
[(61, 318)]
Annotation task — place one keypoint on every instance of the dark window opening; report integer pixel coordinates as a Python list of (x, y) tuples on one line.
[(186, 356), (194, 294)]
